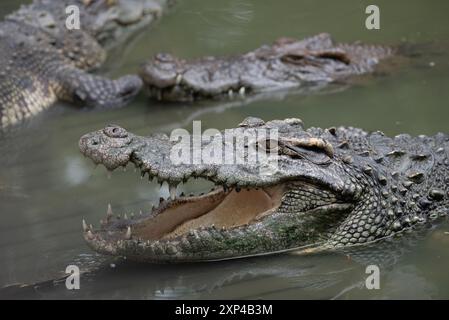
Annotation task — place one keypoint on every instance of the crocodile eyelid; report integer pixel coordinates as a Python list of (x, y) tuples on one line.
[(312, 143), (295, 154)]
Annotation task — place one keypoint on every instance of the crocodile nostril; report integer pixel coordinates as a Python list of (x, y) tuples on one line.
[(115, 132)]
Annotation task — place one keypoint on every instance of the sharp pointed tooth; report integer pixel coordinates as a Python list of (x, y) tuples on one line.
[(109, 213), (128, 233), (173, 192), (85, 227), (90, 235), (242, 91), (125, 216), (91, 227), (178, 79), (132, 215), (230, 93), (140, 212)]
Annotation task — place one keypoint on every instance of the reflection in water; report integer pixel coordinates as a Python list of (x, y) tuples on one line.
[(271, 97), (223, 25), (338, 275), (76, 171), (271, 276)]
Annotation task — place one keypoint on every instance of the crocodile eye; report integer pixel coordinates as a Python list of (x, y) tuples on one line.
[(316, 150), (115, 132), (293, 58)]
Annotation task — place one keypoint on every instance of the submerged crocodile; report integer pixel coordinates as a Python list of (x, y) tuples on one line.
[(286, 64), (333, 188), (43, 60)]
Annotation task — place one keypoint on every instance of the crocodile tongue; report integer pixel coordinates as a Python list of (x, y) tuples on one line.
[(217, 209)]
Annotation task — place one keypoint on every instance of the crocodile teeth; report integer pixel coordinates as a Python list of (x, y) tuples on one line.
[(128, 233), (125, 217), (242, 91), (85, 227), (230, 93), (178, 79), (109, 213), (172, 192), (90, 235)]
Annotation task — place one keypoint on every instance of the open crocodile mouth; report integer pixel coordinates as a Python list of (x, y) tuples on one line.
[(217, 209), (200, 227), (221, 209)]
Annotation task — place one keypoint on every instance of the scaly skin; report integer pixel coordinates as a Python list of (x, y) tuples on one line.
[(334, 188), (43, 61), (286, 64)]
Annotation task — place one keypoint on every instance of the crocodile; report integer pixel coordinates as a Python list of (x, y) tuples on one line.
[(288, 63), (331, 189), (44, 60)]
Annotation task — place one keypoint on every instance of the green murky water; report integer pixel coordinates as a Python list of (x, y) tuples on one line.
[(47, 187)]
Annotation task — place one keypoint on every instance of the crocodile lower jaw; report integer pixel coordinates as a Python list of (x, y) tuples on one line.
[(219, 209)]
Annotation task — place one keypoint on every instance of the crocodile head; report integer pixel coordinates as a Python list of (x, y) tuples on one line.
[(306, 204), (107, 20), (112, 20), (286, 64)]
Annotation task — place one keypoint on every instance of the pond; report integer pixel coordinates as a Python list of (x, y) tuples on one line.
[(47, 187)]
